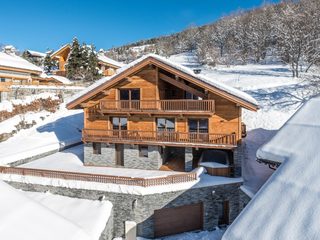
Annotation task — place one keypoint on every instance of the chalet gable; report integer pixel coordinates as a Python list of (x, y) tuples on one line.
[(175, 74)]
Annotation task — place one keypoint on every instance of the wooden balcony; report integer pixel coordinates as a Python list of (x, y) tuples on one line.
[(183, 106), (183, 139)]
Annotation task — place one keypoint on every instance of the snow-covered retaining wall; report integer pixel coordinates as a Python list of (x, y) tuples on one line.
[(140, 208)]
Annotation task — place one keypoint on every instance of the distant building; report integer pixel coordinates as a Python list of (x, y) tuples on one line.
[(15, 70), (106, 65), (34, 56)]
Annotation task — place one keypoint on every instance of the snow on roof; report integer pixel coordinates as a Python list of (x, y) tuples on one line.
[(287, 206), (223, 87), (62, 47), (105, 59), (36, 54), (90, 215), (61, 79), (24, 218), (14, 61)]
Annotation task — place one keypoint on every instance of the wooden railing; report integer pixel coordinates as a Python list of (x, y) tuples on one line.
[(133, 136), (181, 105), (100, 178)]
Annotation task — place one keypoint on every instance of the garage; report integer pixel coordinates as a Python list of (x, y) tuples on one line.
[(169, 221)]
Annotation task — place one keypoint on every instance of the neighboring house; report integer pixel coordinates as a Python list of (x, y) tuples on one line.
[(15, 70), (287, 206), (34, 56), (107, 65), (155, 114)]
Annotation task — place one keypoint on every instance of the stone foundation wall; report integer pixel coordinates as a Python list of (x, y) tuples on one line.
[(133, 160), (131, 157), (106, 158), (140, 209)]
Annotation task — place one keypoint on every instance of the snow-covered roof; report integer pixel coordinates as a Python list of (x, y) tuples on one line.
[(36, 54), (287, 206), (24, 218), (215, 84), (60, 49), (14, 61), (62, 79), (105, 59)]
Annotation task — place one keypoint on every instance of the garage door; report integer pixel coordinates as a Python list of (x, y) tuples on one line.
[(168, 221)]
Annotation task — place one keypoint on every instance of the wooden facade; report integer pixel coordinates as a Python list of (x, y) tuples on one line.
[(156, 104)]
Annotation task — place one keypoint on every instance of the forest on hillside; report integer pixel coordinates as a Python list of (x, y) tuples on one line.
[(289, 31)]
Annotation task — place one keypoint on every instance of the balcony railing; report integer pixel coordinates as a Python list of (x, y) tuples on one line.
[(184, 105), (160, 137)]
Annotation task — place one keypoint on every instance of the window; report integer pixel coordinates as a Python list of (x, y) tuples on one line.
[(119, 123), (129, 94), (3, 80), (191, 96), (96, 148), (198, 125), (143, 151), (165, 124)]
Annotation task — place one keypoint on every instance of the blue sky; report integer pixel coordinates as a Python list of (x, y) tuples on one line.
[(43, 24)]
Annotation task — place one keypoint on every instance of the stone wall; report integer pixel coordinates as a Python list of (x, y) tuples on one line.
[(133, 160), (140, 208), (188, 159), (131, 157), (106, 158)]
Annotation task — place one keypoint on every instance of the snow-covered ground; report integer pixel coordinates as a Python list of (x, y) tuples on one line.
[(38, 216), (72, 160), (60, 129)]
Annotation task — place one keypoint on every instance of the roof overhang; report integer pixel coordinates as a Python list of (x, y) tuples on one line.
[(60, 50)]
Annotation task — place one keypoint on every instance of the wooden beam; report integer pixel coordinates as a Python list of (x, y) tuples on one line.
[(182, 85)]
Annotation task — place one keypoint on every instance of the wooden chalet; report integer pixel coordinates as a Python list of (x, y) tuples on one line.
[(61, 56), (155, 114), (107, 65)]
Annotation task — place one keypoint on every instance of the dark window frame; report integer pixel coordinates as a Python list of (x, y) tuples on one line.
[(96, 148), (119, 126), (166, 128), (199, 125), (143, 151)]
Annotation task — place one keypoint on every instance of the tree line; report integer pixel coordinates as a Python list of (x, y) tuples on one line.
[(288, 31)]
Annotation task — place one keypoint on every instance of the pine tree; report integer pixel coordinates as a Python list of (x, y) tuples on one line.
[(75, 61), (92, 65), (48, 63)]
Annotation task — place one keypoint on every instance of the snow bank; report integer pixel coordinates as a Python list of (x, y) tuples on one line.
[(286, 207), (60, 129), (8, 105)]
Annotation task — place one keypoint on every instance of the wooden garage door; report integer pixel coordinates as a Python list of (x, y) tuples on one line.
[(168, 221)]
